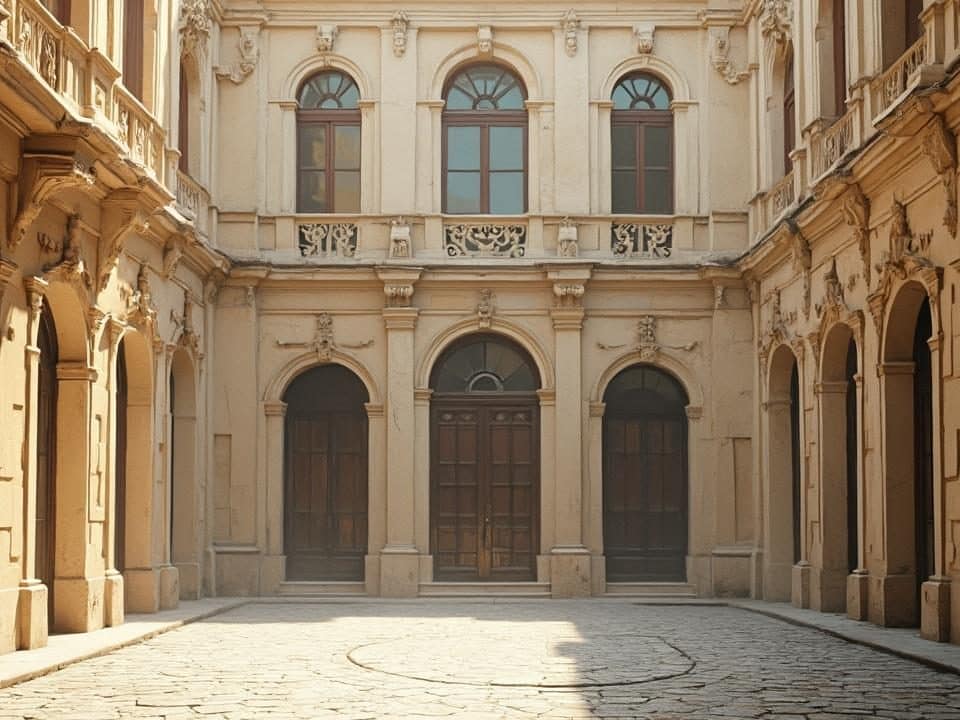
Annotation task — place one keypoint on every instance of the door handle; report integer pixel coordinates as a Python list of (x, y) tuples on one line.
[(486, 519)]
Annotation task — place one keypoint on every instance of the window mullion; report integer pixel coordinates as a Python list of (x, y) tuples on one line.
[(485, 168), (641, 167), (328, 171)]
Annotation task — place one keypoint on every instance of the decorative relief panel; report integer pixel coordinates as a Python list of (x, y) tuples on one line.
[(485, 240), (327, 240), (38, 45), (643, 241)]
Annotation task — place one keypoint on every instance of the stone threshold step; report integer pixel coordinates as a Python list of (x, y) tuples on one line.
[(323, 588), (485, 589), (651, 589)]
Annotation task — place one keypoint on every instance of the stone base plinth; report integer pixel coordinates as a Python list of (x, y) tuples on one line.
[(858, 595), (273, 571), (570, 572), (935, 609), (77, 604), (169, 587), (399, 572), (113, 612), (371, 574), (141, 590), (893, 601), (32, 630), (189, 580), (828, 590), (598, 575), (800, 585)]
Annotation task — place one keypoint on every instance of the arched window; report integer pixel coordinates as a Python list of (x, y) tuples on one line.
[(328, 144), (485, 142), (642, 155), (839, 51), (789, 115)]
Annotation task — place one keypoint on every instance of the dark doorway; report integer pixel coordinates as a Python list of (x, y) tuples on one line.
[(795, 458), (325, 500), (485, 462), (923, 445), (46, 527), (645, 506), (120, 465), (853, 542)]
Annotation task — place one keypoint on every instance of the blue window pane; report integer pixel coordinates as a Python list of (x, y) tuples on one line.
[(463, 148), (463, 192), (506, 193), (506, 148)]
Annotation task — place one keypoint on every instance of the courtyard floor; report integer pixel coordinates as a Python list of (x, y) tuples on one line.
[(550, 659)]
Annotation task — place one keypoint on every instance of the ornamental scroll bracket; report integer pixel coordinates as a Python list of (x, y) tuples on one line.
[(856, 213), (643, 35), (248, 47), (42, 177), (648, 347), (323, 343), (939, 145), (720, 56)]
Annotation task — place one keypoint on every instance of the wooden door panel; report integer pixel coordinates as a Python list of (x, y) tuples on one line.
[(455, 497)]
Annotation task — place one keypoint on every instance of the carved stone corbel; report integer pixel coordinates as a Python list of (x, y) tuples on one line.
[(485, 309), (96, 319), (238, 71), (7, 270), (802, 261), (720, 56), (776, 20), (856, 213), (43, 177), (122, 215), (326, 37), (194, 27), (399, 22), (71, 266), (569, 294), (172, 253), (643, 35), (571, 31), (484, 40), (939, 145), (400, 295)]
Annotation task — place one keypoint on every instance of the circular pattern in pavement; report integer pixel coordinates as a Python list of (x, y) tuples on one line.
[(559, 657)]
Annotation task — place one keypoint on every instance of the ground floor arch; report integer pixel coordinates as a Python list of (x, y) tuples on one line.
[(325, 501), (484, 461), (645, 483), (185, 508), (46, 458)]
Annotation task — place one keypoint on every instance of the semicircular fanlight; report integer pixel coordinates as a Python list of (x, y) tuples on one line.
[(484, 365), (329, 90)]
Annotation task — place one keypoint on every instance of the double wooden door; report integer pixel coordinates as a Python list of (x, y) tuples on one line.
[(485, 482), (325, 529), (644, 497)]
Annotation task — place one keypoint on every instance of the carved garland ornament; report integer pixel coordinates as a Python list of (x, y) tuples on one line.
[(571, 27), (399, 22), (323, 342), (194, 26), (648, 347), (487, 240), (720, 56), (238, 71)]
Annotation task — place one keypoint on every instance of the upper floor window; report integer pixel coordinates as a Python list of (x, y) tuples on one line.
[(642, 153), (485, 142), (183, 126), (328, 144), (901, 27), (789, 114), (839, 57), (133, 47), (60, 9)]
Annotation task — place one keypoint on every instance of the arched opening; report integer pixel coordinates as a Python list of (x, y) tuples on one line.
[(783, 498), (645, 483), (642, 152), (839, 470), (325, 476), (909, 481), (122, 407), (328, 144), (485, 142), (832, 49), (184, 527), (789, 113), (46, 458), (484, 461)]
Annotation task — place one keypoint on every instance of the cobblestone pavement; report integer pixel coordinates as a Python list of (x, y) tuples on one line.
[(549, 659)]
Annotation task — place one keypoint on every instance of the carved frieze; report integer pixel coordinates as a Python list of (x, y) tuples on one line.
[(195, 26), (323, 342), (571, 32), (328, 240), (485, 240), (399, 23), (248, 47), (641, 241)]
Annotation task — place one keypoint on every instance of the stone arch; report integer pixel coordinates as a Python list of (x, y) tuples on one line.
[(67, 306), (317, 63), (782, 528), (909, 468), (779, 59), (281, 380), (185, 501), (503, 54), (680, 372), (837, 553), (519, 335), (675, 80), (192, 85), (137, 521)]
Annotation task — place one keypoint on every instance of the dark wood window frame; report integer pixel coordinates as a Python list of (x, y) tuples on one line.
[(485, 120), (183, 130), (329, 119), (133, 29), (789, 115), (840, 57), (640, 120)]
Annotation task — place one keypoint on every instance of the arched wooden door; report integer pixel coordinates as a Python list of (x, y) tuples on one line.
[(923, 447), (325, 498), (46, 525), (485, 462), (645, 477)]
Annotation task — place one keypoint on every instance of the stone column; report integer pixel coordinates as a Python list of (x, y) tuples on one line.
[(858, 582), (593, 501), (829, 562), (800, 594), (113, 581), (273, 565), (570, 563), (421, 399), (32, 603), (167, 574), (400, 557), (376, 497)]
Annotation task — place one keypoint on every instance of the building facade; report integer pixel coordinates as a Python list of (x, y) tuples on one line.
[(433, 299)]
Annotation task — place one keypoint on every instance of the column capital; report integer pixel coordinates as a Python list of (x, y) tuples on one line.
[(274, 408), (597, 409), (694, 412), (374, 410), (547, 397), (67, 371), (830, 387), (421, 396), (400, 318), (567, 318), (896, 368)]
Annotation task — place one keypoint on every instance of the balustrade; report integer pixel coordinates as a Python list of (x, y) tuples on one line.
[(893, 82)]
